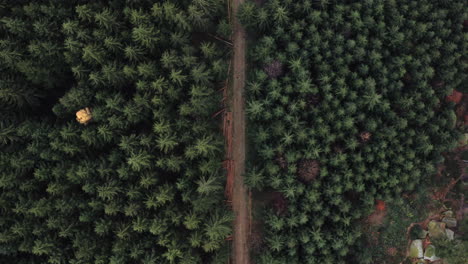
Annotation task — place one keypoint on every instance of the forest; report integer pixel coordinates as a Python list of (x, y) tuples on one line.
[(140, 178), (346, 106), (112, 145)]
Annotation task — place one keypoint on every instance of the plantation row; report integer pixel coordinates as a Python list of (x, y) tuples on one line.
[(346, 106), (139, 180)]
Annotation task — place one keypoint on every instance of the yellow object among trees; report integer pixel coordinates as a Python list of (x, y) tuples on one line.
[(84, 116)]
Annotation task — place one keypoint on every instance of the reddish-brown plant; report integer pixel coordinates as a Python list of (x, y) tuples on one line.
[(274, 69), (308, 170), (365, 136)]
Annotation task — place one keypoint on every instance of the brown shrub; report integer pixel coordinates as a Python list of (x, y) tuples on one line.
[(308, 170), (365, 136), (280, 204), (274, 69)]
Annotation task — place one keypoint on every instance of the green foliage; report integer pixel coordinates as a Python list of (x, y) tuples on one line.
[(255, 179), (142, 182), (351, 85), (415, 232), (452, 251)]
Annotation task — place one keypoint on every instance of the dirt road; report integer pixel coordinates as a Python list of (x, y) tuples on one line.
[(239, 199)]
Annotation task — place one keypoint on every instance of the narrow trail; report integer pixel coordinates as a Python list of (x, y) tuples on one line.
[(239, 195)]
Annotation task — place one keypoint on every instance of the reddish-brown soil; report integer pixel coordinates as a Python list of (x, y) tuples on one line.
[(240, 204), (455, 97), (308, 170), (377, 218)]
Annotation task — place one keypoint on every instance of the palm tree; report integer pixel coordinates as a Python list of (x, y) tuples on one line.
[(277, 223), (296, 65), (146, 36), (93, 54), (132, 209), (197, 17), (281, 15), (177, 77), (7, 55), (169, 59), (13, 95), (255, 178), (113, 44), (192, 221), (165, 194), (263, 19), (134, 53), (123, 231), (106, 19), (218, 226), (247, 14), (43, 247), (147, 69), (201, 75), (255, 109), (85, 12), (276, 242), (208, 185), (209, 50), (139, 160), (147, 180), (206, 146), (8, 133), (140, 224), (174, 163)]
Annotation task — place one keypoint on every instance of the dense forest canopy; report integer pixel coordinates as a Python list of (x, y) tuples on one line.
[(141, 182), (346, 106), (110, 152)]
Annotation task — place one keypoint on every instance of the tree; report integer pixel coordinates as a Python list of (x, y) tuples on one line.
[(206, 146), (13, 96), (208, 186), (255, 179), (247, 14), (7, 133), (218, 227), (106, 19), (93, 54), (139, 160), (145, 36)]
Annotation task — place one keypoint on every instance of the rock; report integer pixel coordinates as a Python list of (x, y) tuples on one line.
[(450, 234), (448, 213), (416, 249), (450, 221), (436, 229), (429, 254)]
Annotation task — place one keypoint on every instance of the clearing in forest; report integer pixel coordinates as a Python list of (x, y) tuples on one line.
[(239, 196)]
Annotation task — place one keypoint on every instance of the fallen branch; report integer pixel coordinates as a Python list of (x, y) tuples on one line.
[(220, 39), (217, 113)]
